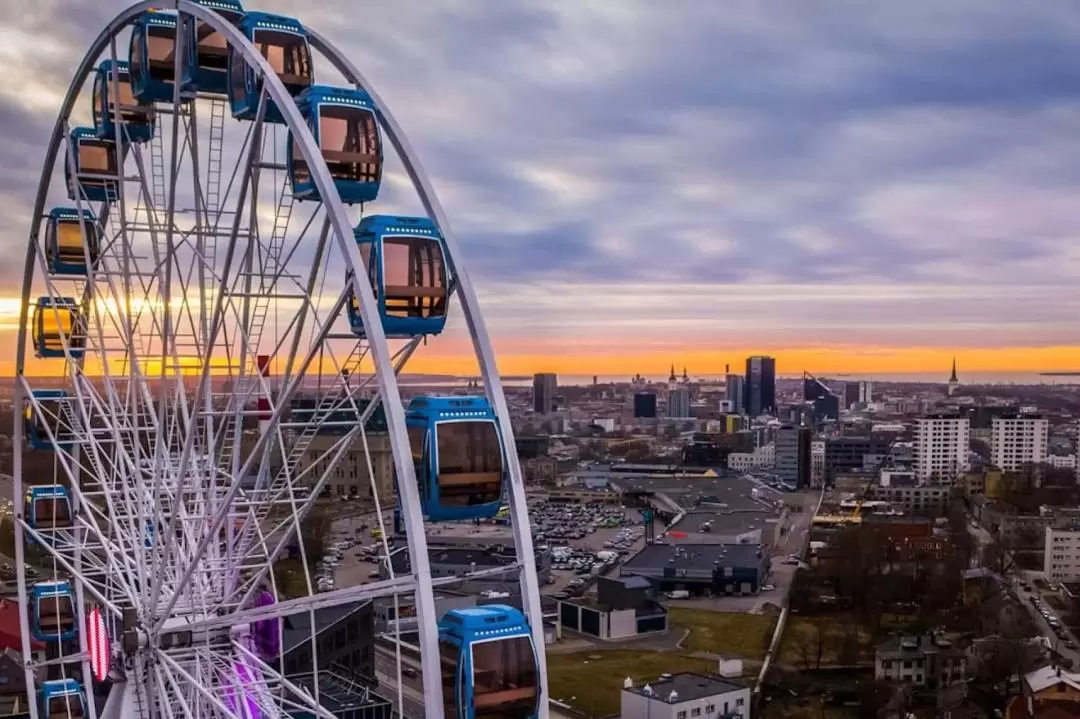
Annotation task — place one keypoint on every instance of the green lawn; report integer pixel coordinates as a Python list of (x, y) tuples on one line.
[(727, 633), (591, 681)]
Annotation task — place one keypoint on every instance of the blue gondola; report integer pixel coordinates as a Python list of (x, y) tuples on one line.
[(52, 611), (50, 413), (69, 238), (283, 42), (137, 120), (343, 122), (211, 70), (62, 699), (488, 664), (58, 320), (97, 167), (152, 58), (48, 508), (406, 262), (458, 456)]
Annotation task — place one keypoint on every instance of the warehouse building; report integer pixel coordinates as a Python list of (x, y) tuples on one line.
[(701, 569), (624, 608)]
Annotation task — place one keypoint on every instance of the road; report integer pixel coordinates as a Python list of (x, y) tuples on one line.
[(412, 693), (982, 539)]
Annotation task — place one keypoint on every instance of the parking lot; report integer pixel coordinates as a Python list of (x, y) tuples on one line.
[(586, 540)]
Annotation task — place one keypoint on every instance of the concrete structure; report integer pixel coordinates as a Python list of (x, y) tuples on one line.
[(678, 403), (1061, 554), (350, 476), (1017, 440), (792, 465), (1062, 461), (843, 454), (941, 447), (736, 392), (685, 696), (545, 385), (701, 569), (926, 499), (624, 608)]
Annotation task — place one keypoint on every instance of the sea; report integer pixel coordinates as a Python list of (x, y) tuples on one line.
[(966, 378)]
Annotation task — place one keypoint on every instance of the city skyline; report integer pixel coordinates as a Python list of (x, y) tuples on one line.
[(849, 192)]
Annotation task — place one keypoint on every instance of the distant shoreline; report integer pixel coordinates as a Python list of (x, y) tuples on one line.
[(1059, 374)]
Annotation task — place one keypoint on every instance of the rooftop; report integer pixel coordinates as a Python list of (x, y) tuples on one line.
[(687, 687), (694, 556), (911, 645), (724, 522), (484, 557), (1048, 676)]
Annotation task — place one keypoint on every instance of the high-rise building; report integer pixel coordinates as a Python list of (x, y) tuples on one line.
[(545, 385), (866, 392), (816, 392), (644, 405), (678, 403), (793, 461), (851, 393), (941, 447), (760, 388), (1019, 439), (735, 392)]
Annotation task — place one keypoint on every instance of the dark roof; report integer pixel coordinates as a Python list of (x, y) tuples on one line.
[(632, 582), (695, 556), (494, 556), (298, 626), (688, 686)]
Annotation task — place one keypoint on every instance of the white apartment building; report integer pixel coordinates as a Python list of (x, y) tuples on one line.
[(1017, 440), (763, 456), (941, 447), (686, 696), (1062, 461), (1061, 557), (817, 463)]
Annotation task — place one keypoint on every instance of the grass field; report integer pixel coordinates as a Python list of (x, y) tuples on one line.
[(727, 633), (591, 681)]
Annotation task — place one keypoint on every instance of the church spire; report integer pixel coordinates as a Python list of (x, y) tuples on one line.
[(685, 376), (953, 377), (672, 377)]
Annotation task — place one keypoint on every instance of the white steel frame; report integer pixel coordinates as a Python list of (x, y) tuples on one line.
[(123, 701)]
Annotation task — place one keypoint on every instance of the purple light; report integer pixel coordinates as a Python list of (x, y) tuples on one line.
[(266, 633), (245, 678)]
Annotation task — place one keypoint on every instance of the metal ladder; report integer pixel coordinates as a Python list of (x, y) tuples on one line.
[(213, 178), (330, 402), (260, 307)]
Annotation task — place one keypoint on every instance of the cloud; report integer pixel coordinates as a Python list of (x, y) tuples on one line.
[(690, 159)]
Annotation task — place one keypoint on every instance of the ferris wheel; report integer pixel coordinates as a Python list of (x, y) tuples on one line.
[(213, 314)]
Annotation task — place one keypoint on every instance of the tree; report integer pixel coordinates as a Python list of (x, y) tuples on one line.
[(999, 555), (812, 638)]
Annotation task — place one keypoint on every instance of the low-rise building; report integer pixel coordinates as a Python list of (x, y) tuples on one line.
[(624, 608), (1049, 692), (924, 662), (685, 696), (701, 569), (924, 499)]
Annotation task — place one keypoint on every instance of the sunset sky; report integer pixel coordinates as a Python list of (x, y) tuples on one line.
[(867, 187)]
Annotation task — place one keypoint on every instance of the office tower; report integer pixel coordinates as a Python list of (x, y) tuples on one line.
[(826, 404), (644, 405), (760, 388), (851, 393), (678, 403), (941, 447), (793, 460), (735, 393), (866, 392), (545, 385), (1018, 439)]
